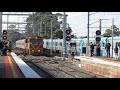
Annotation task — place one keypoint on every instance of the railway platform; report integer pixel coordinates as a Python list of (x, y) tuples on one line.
[(107, 67), (11, 66)]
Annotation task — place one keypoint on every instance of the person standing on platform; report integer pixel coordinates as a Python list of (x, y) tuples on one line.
[(108, 49), (91, 49), (98, 49), (72, 55), (1, 47), (116, 51)]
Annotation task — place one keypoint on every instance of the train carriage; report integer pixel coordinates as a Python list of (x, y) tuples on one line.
[(31, 45)]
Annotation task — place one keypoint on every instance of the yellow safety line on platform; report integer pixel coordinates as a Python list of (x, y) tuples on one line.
[(12, 68)]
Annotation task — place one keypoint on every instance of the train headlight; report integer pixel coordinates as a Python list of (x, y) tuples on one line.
[(38, 50)]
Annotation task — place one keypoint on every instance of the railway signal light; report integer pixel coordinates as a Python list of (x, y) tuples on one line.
[(68, 38), (98, 39), (4, 35), (98, 32), (68, 34), (98, 35)]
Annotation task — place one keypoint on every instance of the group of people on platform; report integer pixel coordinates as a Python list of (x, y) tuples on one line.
[(4, 46), (107, 47), (92, 47)]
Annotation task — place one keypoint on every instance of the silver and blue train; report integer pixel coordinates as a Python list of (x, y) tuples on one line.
[(79, 45)]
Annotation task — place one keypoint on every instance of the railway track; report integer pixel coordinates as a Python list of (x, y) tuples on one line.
[(57, 68), (39, 70), (51, 65)]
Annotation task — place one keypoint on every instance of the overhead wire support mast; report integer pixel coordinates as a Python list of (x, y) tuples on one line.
[(88, 34), (64, 35), (88, 31), (112, 34), (0, 22), (51, 38)]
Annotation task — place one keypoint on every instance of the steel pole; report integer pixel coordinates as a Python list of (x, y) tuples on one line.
[(64, 35), (1, 22), (100, 24), (88, 35), (7, 21), (51, 39), (112, 34), (1, 25), (33, 23), (100, 35)]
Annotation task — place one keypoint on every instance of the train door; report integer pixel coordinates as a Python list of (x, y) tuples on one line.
[(84, 46)]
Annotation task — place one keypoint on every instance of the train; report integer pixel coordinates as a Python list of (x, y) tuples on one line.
[(77, 45), (31, 45)]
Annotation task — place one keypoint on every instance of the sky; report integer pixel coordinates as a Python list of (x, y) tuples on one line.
[(78, 21)]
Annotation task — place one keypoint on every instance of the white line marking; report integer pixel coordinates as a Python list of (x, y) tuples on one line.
[(27, 71)]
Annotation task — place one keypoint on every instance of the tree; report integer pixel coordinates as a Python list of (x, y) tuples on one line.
[(13, 34), (108, 32), (43, 23), (11, 27), (58, 34)]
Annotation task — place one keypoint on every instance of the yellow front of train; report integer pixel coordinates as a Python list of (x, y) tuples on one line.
[(36, 46)]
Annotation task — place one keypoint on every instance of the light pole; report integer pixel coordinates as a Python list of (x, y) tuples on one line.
[(33, 22), (40, 28), (112, 34), (88, 34), (51, 38), (64, 34), (88, 30), (1, 22)]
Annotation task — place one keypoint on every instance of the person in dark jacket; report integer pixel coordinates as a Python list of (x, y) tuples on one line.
[(1, 47), (91, 49), (72, 55), (116, 51), (98, 49), (4, 49), (108, 49)]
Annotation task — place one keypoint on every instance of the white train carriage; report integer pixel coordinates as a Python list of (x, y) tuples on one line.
[(58, 45), (21, 44), (44, 45)]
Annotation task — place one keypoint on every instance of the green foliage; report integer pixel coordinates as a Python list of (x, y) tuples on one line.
[(13, 34), (46, 25), (108, 32)]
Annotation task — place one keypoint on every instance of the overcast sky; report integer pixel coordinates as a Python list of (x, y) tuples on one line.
[(78, 21)]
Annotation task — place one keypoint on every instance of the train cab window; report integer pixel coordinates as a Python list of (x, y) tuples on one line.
[(35, 41)]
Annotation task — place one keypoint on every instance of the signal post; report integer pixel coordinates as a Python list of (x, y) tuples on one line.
[(98, 39), (4, 36)]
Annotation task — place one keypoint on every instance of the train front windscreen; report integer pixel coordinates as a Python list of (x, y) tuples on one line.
[(36, 42)]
